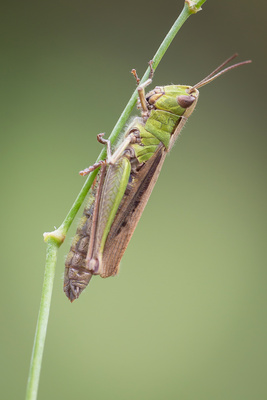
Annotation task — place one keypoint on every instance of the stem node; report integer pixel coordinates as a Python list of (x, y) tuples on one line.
[(193, 7), (57, 236)]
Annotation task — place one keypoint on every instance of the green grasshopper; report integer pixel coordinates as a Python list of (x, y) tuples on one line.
[(122, 188)]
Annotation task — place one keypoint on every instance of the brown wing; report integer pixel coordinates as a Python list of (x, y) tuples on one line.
[(130, 211)]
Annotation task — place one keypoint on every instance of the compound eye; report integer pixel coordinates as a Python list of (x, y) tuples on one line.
[(185, 101)]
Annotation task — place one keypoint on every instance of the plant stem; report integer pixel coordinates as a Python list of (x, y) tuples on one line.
[(40, 334), (55, 239)]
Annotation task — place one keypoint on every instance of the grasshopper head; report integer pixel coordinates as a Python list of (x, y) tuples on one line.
[(181, 99), (177, 99)]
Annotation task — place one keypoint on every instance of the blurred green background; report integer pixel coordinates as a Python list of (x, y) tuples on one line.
[(186, 317)]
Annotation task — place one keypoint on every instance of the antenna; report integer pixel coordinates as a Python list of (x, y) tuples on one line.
[(214, 74)]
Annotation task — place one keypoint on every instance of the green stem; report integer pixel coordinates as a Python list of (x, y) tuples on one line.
[(40, 334), (55, 239)]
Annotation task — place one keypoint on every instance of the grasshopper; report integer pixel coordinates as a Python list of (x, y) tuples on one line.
[(121, 190)]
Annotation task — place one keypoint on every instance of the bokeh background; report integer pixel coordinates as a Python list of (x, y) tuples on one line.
[(186, 317)]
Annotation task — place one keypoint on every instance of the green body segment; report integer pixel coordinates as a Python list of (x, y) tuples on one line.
[(148, 142), (162, 124)]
